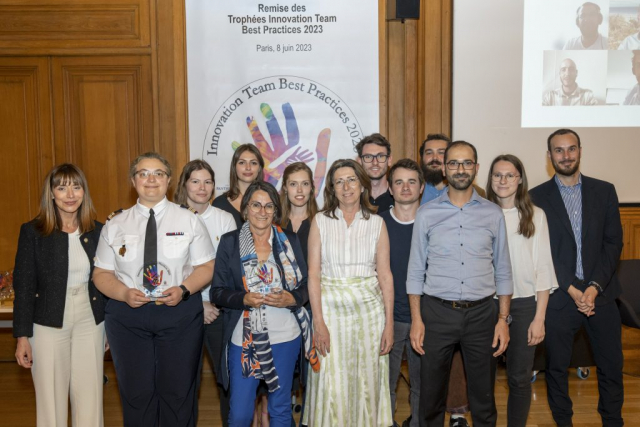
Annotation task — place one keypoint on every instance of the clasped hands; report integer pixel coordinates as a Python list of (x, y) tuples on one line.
[(585, 301), (280, 300)]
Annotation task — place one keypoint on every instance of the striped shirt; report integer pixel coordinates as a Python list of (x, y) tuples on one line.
[(349, 251), (572, 198), (579, 96)]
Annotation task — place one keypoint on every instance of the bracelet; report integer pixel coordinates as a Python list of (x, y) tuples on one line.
[(597, 286)]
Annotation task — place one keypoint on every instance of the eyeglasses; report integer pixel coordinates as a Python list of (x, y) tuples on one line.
[(466, 164), (145, 174), (256, 207), (510, 178), (368, 158), (351, 182)]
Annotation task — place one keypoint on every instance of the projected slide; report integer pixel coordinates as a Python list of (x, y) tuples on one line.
[(581, 63)]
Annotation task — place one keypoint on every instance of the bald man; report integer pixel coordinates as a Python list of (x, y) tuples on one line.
[(633, 97), (588, 19), (569, 94)]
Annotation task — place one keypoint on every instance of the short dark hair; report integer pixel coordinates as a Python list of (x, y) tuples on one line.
[(406, 164), (273, 195), (434, 137), (562, 132), (149, 155), (463, 143), (374, 138)]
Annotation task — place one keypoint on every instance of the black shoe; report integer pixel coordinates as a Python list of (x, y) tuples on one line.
[(458, 422)]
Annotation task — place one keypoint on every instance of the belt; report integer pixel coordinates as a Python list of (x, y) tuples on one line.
[(461, 303), (72, 291)]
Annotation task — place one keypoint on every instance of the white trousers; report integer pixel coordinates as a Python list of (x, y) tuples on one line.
[(68, 363)]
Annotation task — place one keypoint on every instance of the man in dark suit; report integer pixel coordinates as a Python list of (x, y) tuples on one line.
[(586, 241)]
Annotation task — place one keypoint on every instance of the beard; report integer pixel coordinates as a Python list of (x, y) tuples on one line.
[(461, 181), (566, 170), (432, 176)]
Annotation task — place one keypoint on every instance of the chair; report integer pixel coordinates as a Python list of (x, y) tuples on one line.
[(629, 304)]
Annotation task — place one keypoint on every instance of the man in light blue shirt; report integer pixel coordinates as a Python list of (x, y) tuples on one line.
[(462, 238)]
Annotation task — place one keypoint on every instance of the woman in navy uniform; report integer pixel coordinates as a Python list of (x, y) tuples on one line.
[(151, 262)]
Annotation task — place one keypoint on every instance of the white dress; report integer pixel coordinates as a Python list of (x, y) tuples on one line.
[(352, 386)]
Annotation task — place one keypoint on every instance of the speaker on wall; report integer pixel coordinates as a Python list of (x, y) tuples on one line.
[(403, 9)]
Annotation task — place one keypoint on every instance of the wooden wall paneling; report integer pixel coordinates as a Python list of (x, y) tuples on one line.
[(25, 145), (410, 133), (630, 217), (395, 87), (103, 119), (73, 24), (171, 83), (382, 63)]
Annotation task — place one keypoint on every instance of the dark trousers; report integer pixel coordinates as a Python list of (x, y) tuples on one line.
[(520, 361), (156, 350), (473, 328), (604, 331), (213, 344)]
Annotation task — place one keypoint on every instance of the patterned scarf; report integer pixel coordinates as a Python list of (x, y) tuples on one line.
[(256, 358)]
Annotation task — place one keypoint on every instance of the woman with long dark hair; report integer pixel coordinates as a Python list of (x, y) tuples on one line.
[(58, 313), (533, 277), (298, 200), (247, 166)]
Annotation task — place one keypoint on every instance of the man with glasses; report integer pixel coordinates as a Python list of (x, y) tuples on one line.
[(586, 242), (462, 238), (374, 154)]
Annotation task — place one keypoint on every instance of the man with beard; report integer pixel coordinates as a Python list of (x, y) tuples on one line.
[(633, 97), (569, 94), (432, 159), (462, 238), (374, 154), (588, 19), (586, 242)]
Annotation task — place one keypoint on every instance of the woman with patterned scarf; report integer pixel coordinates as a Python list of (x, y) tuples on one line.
[(260, 281)]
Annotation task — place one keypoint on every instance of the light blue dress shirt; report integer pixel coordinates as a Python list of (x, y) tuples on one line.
[(466, 251)]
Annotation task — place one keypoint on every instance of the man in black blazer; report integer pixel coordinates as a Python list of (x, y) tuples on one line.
[(586, 241)]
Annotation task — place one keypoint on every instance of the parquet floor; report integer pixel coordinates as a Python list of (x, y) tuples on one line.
[(17, 397)]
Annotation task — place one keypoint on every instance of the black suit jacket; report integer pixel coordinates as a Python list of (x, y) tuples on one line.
[(227, 290), (601, 238), (40, 278)]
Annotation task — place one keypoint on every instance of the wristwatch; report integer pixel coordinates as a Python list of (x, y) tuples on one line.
[(506, 317), (597, 286), (185, 293)]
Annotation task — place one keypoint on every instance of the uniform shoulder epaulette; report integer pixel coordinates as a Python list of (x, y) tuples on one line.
[(189, 208), (114, 213)]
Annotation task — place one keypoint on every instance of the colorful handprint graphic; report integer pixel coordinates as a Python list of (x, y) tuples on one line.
[(284, 151)]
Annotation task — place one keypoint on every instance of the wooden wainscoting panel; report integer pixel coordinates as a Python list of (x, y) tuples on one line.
[(103, 109), (25, 145), (74, 23), (630, 217)]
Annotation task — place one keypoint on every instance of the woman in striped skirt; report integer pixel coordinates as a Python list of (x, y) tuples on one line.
[(351, 295)]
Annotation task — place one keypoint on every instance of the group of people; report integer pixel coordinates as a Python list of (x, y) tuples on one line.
[(405, 257)]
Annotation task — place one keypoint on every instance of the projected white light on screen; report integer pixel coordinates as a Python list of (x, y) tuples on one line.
[(573, 73)]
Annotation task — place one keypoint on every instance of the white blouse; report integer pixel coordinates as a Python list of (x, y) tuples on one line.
[(531, 260), (79, 267), (349, 251)]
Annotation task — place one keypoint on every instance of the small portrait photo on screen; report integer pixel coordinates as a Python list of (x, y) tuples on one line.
[(574, 78), (624, 25), (623, 78), (590, 30)]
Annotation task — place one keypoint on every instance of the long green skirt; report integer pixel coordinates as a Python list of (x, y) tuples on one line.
[(352, 387)]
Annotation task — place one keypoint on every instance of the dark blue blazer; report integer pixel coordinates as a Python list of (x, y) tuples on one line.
[(40, 278), (227, 290), (601, 238)]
